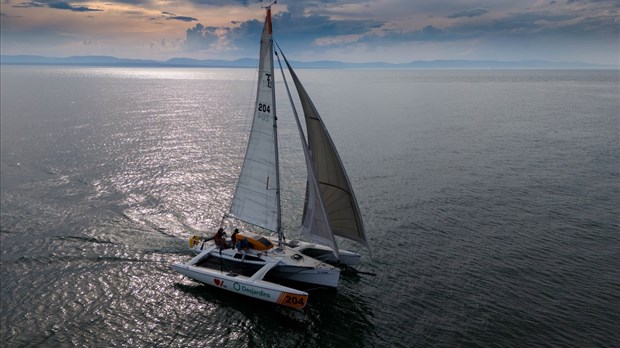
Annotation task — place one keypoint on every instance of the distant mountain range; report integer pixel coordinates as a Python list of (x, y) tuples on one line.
[(326, 64)]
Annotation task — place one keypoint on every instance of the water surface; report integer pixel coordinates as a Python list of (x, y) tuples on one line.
[(491, 201)]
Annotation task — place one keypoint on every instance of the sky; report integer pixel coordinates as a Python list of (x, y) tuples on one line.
[(395, 31)]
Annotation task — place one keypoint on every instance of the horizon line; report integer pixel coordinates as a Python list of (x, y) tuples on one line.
[(28, 59)]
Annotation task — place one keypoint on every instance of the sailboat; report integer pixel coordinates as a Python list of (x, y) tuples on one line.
[(258, 266)]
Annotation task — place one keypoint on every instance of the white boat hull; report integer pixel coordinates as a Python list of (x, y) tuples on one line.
[(291, 265), (244, 272), (258, 289), (253, 286)]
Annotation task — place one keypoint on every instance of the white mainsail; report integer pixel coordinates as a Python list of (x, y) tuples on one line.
[(256, 199)]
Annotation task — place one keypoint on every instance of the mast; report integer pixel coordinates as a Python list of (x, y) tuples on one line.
[(275, 132)]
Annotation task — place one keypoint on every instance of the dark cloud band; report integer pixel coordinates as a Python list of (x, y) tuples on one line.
[(58, 5)]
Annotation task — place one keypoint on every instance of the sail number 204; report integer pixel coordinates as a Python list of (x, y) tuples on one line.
[(264, 109)]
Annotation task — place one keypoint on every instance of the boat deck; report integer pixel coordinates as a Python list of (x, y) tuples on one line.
[(228, 266)]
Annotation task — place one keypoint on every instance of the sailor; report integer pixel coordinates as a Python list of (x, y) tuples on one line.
[(219, 238), (233, 238), (243, 244)]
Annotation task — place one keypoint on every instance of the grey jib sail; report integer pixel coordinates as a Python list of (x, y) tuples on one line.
[(335, 189)]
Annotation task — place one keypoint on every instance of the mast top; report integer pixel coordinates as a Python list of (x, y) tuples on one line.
[(269, 6), (268, 19)]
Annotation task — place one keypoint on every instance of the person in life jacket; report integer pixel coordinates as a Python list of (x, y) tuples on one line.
[(243, 244), (233, 238), (219, 238)]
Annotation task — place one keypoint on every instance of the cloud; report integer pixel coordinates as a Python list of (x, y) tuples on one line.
[(525, 24), (164, 44), (199, 38), (224, 2), (550, 32), (58, 5), (344, 29), (297, 30), (182, 18), (171, 16), (61, 5), (474, 12), (30, 4), (428, 33)]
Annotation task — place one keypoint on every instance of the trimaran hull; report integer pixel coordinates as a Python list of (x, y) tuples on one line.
[(253, 286), (290, 265), (245, 273), (257, 271)]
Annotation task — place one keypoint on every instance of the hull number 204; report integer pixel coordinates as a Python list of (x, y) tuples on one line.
[(293, 300)]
